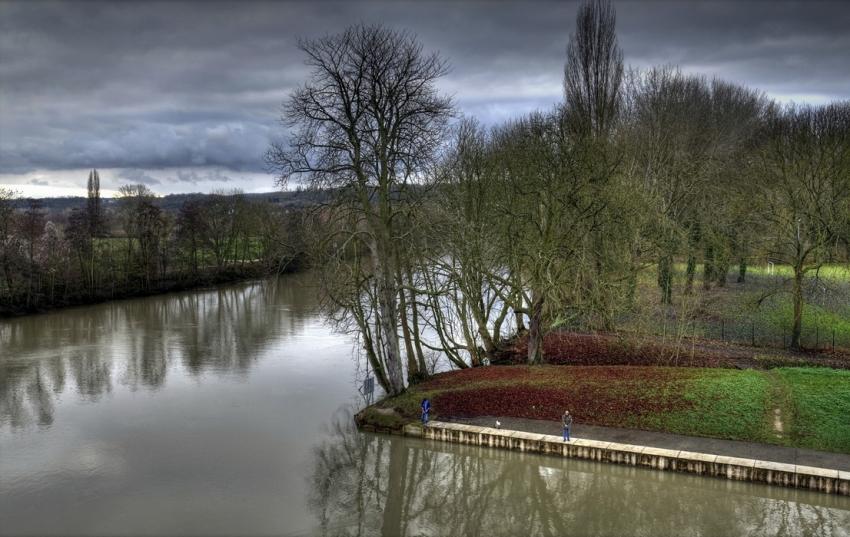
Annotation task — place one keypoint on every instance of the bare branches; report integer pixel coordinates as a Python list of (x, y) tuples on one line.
[(594, 71), (368, 124), (369, 114)]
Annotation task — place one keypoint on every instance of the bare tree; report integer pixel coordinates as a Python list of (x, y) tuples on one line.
[(368, 123), (219, 217), (93, 206), (803, 172), (8, 240), (80, 242), (32, 228), (593, 74), (190, 233), (134, 201), (553, 202)]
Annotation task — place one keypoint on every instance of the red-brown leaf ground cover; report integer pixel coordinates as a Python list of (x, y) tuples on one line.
[(572, 348), (615, 396), (590, 405)]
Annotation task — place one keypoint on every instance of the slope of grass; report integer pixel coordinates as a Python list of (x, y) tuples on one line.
[(726, 403), (821, 407)]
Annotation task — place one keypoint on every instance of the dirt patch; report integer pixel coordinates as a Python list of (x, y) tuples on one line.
[(780, 403)]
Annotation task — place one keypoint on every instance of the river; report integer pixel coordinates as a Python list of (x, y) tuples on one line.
[(228, 412)]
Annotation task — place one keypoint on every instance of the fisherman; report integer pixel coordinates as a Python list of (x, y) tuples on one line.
[(567, 420)]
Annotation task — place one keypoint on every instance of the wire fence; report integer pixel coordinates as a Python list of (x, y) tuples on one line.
[(758, 333)]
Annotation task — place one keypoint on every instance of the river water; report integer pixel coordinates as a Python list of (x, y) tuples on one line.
[(228, 412)]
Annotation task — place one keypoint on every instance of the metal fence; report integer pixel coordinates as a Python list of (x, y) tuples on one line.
[(758, 333)]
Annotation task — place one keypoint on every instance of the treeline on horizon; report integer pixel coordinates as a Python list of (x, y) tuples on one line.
[(448, 237), (135, 246)]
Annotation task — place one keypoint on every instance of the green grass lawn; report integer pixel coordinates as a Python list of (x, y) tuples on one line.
[(759, 309), (820, 401), (820, 323), (718, 403), (831, 272), (727, 403)]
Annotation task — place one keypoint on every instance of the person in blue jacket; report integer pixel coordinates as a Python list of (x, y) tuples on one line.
[(426, 408)]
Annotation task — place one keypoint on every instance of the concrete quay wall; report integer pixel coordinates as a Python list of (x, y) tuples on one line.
[(826, 480)]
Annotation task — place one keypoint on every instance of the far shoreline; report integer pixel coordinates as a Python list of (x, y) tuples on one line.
[(209, 279)]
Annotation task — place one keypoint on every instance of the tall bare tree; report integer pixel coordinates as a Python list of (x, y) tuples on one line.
[(368, 123), (593, 76), (93, 206)]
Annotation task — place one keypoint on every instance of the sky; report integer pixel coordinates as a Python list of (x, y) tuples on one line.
[(186, 97)]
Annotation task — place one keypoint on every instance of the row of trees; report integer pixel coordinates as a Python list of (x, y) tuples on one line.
[(445, 236), (137, 247)]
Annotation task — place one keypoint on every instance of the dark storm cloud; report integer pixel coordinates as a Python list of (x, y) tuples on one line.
[(136, 176), (149, 86)]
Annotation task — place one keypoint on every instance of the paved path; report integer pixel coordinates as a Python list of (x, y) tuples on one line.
[(729, 448)]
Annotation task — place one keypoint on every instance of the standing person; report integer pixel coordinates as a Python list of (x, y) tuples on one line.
[(426, 408), (567, 420)]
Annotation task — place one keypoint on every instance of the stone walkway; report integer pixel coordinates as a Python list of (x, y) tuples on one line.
[(729, 448)]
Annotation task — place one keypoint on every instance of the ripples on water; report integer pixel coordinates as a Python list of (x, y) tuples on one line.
[(216, 412)]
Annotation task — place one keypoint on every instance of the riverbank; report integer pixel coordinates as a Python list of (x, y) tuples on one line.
[(793, 407), (178, 282)]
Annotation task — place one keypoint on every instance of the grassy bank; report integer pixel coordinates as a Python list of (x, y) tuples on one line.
[(720, 403), (821, 407)]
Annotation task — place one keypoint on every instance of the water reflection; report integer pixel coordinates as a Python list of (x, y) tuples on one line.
[(204, 408), (365, 484), (136, 342)]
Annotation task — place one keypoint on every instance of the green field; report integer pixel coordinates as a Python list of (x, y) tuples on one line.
[(759, 310)]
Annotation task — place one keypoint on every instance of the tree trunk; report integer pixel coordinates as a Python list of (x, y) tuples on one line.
[(742, 270), (535, 332), (388, 321), (417, 341), (797, 329), (708, 268), (632, 289), (483, 332), (372, 357), (413, 373), (721, 273), (665, 278), (520, 323), (690, 273)]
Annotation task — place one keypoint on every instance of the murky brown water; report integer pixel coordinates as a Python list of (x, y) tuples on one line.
[(226, 412)]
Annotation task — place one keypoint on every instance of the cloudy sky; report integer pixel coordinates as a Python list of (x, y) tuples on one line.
[(186, 97)]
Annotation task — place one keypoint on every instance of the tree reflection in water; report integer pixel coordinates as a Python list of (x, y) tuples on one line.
[(135, 342), (365, 484)]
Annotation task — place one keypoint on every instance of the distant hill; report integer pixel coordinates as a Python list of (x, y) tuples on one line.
[(171, 203)]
